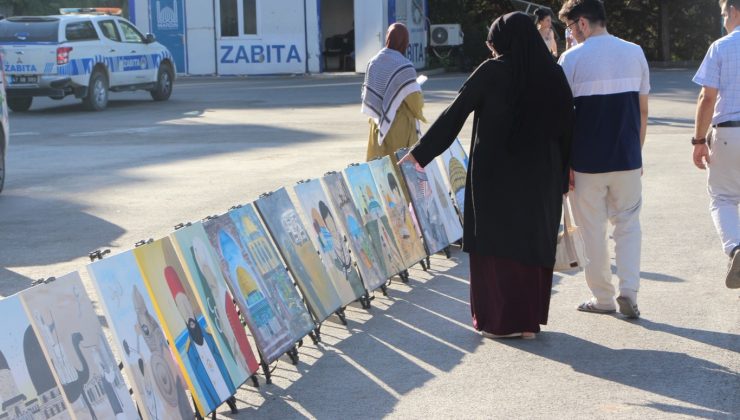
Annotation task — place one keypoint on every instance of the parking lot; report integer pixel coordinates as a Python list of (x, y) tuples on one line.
[(79, 181)]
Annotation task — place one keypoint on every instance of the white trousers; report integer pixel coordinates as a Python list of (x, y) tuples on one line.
[(724, 185), (614, 197)]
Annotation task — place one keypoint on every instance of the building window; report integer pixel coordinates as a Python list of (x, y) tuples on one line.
[(229, 23), (249, 14), (238, 17)]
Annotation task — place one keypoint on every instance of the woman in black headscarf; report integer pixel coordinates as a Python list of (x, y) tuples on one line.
[(516, 179)]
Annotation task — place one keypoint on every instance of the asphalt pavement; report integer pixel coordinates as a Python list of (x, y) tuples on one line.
[(80, 181)]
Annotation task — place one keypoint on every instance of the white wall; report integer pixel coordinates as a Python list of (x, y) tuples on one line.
[(314, 35), (141, 15), (279, 46), (200, 37)]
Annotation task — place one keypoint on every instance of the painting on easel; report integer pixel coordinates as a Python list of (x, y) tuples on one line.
[(389, 187), (191, 339), (27, 383), (426, 205), (331, 240), (158, 385), (67, 326), (455, 163), (300, 255), (213, 294), (367, 199), (368, 262)]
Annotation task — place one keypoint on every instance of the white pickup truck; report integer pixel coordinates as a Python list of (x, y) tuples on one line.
[(85, 53)]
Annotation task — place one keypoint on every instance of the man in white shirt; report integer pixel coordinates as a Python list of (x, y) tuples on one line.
[(719, 106), (610, 80)]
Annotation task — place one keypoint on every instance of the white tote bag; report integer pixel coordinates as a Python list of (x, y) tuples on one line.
[(570, 254)]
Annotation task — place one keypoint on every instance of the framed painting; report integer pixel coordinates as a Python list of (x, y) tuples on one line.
[(394, 201), (191, 339), (331, 240), (28, 386), (75, 345), (300, 255), (426, 205), (271, 333), (368, 262), (155, 378), (450, 218), (213, 295), (367, 199), (455, 164)]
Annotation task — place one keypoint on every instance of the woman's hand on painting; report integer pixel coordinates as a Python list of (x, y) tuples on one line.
[(409, 158), (571, 179)]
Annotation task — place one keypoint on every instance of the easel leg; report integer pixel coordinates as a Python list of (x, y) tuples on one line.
[(197, 413), (341, 315), (266, 371), (316, 335), (255, 381), (384, 289), (429, 262), (448, 254), (404, 276), (231, 402), (293, 354)]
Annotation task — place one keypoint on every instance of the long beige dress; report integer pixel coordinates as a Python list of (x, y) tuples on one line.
[(402, 132)]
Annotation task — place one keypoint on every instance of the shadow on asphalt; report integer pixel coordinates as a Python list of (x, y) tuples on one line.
[(720, 340), (372, 370), (56, 242), (673, 375), (647, 275)]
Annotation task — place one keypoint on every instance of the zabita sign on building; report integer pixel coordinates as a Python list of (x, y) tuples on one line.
[(250, 37), (246, 56)]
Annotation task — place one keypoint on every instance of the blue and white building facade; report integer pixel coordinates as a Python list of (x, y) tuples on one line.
[(252, 37)]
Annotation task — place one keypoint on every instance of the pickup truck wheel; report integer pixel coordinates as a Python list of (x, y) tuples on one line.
[(20, 104), (97, 92), (163, 89)]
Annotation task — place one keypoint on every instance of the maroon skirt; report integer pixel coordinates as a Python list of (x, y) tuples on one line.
[(507, 296)]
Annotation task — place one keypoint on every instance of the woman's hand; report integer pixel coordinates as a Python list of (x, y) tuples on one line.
[(409, 158)]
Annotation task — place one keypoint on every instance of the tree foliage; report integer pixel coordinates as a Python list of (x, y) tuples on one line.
[(691, 25)]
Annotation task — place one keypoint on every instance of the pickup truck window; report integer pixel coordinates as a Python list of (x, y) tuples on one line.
[(108, 28), (130, 33), (81, 31), (29, 29)]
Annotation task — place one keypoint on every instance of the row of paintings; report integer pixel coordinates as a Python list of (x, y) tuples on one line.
[(55, 361), (174, 306)]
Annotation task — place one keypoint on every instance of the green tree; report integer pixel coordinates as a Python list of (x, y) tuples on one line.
[(667, 30)]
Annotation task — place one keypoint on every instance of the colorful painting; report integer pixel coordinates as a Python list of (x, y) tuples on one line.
[(368, 262), (191, 339), (28, 389), (261, 254), (455, 163), (300, 255), (450, 218), (271, 333), (426, 205), (214, 296), (389, 187), (329, 237), (368, 201), (68, 328), (153, 373)]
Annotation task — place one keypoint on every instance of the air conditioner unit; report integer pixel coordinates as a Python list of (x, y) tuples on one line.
[(446, 35)]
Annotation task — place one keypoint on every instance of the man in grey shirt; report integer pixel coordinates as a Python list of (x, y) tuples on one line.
[(719, 106)]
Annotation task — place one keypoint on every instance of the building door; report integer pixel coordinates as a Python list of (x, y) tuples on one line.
[(369, 31), (168, 25)]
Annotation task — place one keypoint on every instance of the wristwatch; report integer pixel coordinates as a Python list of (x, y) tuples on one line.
[(696, 141)]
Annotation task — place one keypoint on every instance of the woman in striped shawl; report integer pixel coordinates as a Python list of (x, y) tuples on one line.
[(391, 97)]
